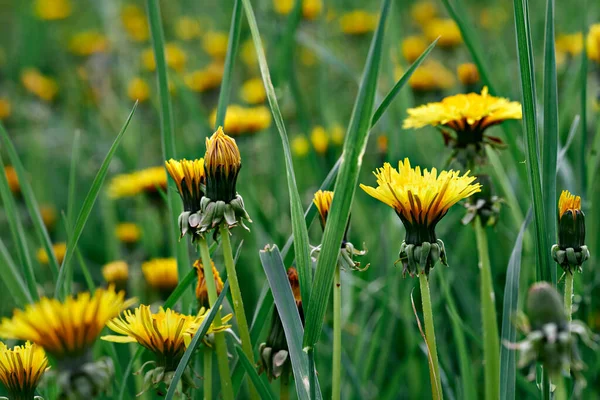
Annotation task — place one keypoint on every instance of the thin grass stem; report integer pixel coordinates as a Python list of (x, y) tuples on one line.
[(336, 390), (207, 374)]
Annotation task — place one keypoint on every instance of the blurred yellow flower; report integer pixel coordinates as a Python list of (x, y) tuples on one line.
[(358, 22), (446, 29), (175, 58), (310, 8), (21, 369), (69, 328), (161, 273), (146, 180), (205, 79), (337, 135), (215, 44), (431, 75), (88, 43), (116, 272), (48, 213), (300, 146), (128, 232), (59, 250), (468, 74), (382, 144), (593, 43), (135, 23), (201, 289), (187, 28), (52, 9), (423, 11), (253, 91), (239, 120), (493, 18), (248, 53), (43, 87), (138, 89), (571, 44), (413, 47), (319, 139), (5, 109), (11, 177)]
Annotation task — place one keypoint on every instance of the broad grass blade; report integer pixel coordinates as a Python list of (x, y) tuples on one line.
[(259, 384)]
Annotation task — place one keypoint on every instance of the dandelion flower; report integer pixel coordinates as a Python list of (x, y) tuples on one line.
[(204, 79), (51, 10), (570, 44), (135, 23), (190, 178), (319, 140), (423, 11), (5, 109), (300, 146), (59, 250), (187, 28), (412, 47), (88, 43), (337, 135), (175, 58), (201, 289), (430, 76), (40, 85), (48, 213), (358, 22), (242, 120), (147, 180), (593, 43), (253, 91), (322, 200), (116, 272), (21, 369), (12, 178), (138, 89), (161, 274), (446, 30), (215, 44), (468, 74)]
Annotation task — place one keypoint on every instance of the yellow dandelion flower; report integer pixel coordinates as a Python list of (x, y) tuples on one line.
[(69, 328), (446, 29), (413, 47), (5, 109), (423, 11), (128, 232), (175, 58), (358, 22), (468, 74), (161, 273), (12, 178), (138, 89), (337, 135), (571, 44), (310, 8), (240, 120), (48, 213), (205, 79), (42, 86), (143, 181), (190, 178), (165, 333), (201, 289), (51, 10), (322, 200), (187, 28), (253, 91), (21, 369), (88, 43), (135, 23), (593, 43), (319, 139), (59, 250), (430, 76), (215, 44), (300, 146), (568, 202), (116, 272)]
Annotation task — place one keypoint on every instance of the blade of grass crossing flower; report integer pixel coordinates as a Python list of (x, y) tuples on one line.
[(12, 279), (550, 137), (61, 290), (232, 47), (30, 201), (530, 123), (259, 384), (299, 230), (354, 147), (275, 270), (196, 340)]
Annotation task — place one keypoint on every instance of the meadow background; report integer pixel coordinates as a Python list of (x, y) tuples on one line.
[(62, 131)]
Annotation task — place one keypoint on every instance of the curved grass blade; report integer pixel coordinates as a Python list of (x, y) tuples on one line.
[(60, 290), (354, 148), (196, 340), (259, 384), (11, 278)]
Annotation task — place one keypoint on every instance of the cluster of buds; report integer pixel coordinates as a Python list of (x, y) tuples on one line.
[(159, 378), (83, 378), (570, 252), (484, 204)]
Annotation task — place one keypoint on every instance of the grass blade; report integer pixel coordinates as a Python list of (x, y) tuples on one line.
[(259, 384), (60, 290), (508, 363), (288, 311), (11, 278), (72, 178), (354, 148), (299, 230), (583, 99)]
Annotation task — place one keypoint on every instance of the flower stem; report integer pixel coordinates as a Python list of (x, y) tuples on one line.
[(491, 344), (284, 390), (207, 374), (560, 393), (434, 364), (220, 345), (337, 335), (238, 304), (569, 296)]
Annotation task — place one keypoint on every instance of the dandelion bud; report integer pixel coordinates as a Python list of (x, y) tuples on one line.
[(190, 179), (571, 251), (544, 306), (201, 289), (117, 273), (322, 201)]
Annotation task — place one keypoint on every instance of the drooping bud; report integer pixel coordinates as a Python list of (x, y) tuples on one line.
[(571, 251), (544, 306)]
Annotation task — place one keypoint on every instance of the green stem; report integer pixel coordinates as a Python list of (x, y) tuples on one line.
[(311, 373), (337, 335), (284, 390), (434, 364), (238, 304), (220, 345), (560, 393), (491, 344), (569, 295), (207, 374)]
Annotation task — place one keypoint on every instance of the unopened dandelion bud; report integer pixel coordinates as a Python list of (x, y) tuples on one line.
[(570, 252), (544, 306)]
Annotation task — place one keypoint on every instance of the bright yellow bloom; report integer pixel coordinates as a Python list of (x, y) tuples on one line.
[(21, 369), (319, 139), (128, 232), (300, 146), (135, 23), (430, 76), (215, 44), (204, 79), (337, 135), (51, 10), (115, 272), (239, 120), (358, 22), (42, 86), (69, 328), (571, 44), (175, 58), (12, 178), (253, 91), (88, 43), (413, 47), (146, 180), (166, 333), (468, 74), (59, 250), (161, 273), (201, 289), (187, 28), (190, 178), (322, 200), (310, 8), (568, 202), (593, 43), (423, 11), (5, 109), (138, 89), (446, 29)]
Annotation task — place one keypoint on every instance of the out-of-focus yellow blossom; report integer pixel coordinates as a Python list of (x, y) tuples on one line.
[(446, 29), (201, 289), (43, 87), (174, 56), (307, 57), (493, 18), (59, 250), (248, 53), (310, 8), (215, 44), (382, 144), (593, 43), (138, 89), (116, 272), (300, 146), (187, 28), (48, 213), (431, 75), (135, 23), (161, 273), (423, 11), (253, 91), (571, 44), (11, 177), (337, 135), (467, 73), (5, 109), (145, 180), (21, 369), (413, 47), (239, 120), (319, 139), (51, 10), (358, 22), (128, 232), (205, 79), (88, 43)]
